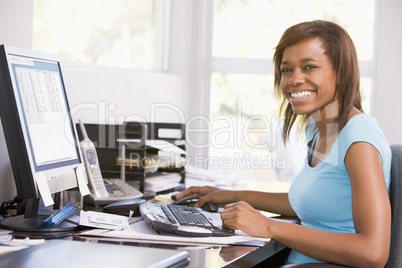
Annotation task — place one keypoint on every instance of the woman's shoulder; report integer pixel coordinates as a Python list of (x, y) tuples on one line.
[(361, 123), (363, 128)]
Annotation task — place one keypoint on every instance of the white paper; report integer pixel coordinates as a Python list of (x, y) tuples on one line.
[(18, 244), (165, 146), (44, 190), (158, 144), (141, 231), (162, 182), (103, 220)]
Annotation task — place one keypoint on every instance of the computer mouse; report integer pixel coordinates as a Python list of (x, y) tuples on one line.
[(123, 207), (211, 207), (191, 200)]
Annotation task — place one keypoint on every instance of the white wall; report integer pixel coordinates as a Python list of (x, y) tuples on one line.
[(11, 12), (388, 95)]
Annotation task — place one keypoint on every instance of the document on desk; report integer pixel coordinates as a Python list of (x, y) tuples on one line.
[(141, 231)]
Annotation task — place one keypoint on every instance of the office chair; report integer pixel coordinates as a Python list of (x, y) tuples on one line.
[(395, 258)]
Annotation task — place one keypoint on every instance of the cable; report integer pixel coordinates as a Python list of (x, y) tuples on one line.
[(16, 203)]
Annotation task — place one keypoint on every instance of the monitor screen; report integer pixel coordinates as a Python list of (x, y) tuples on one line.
[(37, 124), (43, 102)]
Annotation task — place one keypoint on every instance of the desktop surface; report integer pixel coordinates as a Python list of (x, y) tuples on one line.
[(271, 255), (60, 253)]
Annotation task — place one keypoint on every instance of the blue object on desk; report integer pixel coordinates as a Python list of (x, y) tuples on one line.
[(60, 215)]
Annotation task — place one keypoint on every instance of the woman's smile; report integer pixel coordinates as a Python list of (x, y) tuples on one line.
[(301, 94)]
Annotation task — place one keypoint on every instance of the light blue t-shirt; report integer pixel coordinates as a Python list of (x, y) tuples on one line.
[(321, 195)]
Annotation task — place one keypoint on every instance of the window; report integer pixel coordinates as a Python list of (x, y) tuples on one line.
[(113, 33), (244, 35), (252, 28)]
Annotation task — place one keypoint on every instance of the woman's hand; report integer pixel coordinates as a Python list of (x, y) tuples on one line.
[(209, 194), (195, 190), (242, 216)]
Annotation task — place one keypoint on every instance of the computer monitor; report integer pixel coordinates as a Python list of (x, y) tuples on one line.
[(39, 133)]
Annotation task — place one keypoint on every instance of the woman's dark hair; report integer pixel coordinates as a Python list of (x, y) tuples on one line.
[(342, 53)]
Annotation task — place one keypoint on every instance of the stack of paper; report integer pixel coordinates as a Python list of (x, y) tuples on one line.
[(162, 182), (6, 235)]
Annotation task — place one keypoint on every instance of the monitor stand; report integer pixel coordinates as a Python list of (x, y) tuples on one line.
[(32, 221)]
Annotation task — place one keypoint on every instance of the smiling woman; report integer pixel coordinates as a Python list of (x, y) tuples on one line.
[(341, 193), (323, 63)]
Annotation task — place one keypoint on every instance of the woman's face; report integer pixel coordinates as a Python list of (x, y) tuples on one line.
[(307, 78)]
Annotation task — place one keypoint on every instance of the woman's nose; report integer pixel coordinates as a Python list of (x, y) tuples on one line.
[(296, 79)]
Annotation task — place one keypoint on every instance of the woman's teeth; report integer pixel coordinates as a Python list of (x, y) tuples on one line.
[(301, 94)]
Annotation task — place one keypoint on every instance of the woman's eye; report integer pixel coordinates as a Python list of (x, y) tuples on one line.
[(285, 70), (309, 67)]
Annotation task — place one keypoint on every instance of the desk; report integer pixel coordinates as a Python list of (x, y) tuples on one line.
[(271, 255)]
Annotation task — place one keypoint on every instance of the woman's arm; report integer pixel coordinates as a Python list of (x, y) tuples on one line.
[(273, 202), (368, 247)]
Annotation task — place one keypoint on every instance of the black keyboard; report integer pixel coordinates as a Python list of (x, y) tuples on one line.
[(183, 220)]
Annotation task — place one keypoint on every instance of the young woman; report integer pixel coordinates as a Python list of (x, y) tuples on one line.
[(341, 194)]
